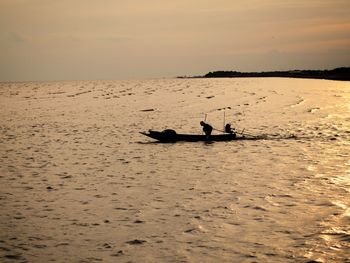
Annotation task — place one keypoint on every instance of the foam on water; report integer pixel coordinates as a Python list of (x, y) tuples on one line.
[(79, 183)]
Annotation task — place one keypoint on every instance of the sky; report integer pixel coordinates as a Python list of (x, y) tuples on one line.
[(137, 39)]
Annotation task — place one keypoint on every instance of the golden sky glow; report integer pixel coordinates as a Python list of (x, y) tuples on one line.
[(90, 39)]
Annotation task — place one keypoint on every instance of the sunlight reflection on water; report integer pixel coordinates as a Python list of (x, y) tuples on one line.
[(72, 157)]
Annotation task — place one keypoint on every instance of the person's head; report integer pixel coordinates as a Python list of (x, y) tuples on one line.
[(202, 123)]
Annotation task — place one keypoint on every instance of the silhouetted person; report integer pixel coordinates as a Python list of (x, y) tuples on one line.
[(228, 128), (207, 129)]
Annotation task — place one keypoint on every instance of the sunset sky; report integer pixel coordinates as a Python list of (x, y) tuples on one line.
[(119, 39)]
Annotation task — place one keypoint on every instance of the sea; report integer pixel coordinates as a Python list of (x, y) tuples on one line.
[(79, 183)]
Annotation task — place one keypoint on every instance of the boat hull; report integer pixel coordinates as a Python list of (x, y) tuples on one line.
[(174, 137)]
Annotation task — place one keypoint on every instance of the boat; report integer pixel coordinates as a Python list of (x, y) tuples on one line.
[(171, 136)]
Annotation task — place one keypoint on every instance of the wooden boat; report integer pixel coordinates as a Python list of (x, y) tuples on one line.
[(172, 136)]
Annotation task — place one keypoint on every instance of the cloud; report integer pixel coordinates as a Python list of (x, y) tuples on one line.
[(17, 38)]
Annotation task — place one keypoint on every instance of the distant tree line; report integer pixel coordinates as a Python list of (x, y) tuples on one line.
[(334, 74)]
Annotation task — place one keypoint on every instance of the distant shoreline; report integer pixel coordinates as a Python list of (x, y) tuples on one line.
[(342, 73)]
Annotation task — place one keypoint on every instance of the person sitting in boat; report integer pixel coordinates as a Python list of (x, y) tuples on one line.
[(207, 129), (228, 128)]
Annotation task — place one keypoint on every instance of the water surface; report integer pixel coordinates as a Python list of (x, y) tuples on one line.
[(78, 183)]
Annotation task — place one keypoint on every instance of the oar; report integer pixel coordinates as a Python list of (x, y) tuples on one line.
[(224, 120), (218, 130)]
